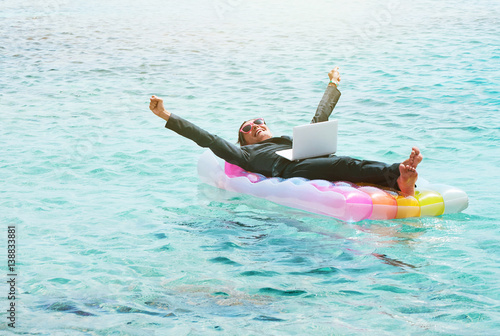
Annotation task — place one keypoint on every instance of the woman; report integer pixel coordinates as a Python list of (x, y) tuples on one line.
[(258, 146)]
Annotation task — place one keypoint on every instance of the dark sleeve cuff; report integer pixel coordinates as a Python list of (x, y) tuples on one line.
[(327, 104)]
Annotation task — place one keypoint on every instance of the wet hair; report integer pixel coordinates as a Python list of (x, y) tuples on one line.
[(241, 138)]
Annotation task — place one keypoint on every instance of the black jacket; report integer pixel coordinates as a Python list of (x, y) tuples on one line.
[(258, 158)]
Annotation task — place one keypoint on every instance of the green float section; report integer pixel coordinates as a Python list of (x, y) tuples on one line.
[(431, 203)]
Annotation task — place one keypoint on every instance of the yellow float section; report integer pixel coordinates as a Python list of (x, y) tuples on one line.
[(387, 204), (431, 203), (407, 207)]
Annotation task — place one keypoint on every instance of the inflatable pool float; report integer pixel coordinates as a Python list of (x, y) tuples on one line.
[(342, 200)]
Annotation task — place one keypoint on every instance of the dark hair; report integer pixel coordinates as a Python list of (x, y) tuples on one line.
[(241, 138)]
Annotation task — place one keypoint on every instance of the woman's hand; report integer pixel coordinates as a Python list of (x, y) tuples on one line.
[(156, 105), (334, 75)]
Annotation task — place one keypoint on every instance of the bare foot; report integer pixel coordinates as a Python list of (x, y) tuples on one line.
[(407, 179), (415, 157)]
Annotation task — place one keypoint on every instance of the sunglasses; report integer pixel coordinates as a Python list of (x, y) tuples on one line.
[(248, 127)]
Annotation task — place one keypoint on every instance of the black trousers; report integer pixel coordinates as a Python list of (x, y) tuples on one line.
[(343, 168)]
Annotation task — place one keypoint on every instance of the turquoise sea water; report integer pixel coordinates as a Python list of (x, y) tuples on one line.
[(117, 236)]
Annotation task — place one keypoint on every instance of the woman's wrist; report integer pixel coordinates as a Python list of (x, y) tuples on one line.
[(333, 83), (165, 115)]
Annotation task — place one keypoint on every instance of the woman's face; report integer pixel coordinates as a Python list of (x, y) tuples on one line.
[(258, 132)]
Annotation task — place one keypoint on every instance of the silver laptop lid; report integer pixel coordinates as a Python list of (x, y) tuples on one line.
[(313, 140)]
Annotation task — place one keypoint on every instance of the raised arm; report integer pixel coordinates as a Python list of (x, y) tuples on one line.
[(222, 148), (330, 98)]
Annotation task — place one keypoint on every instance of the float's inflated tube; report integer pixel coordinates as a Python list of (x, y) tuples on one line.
[(343, 200)]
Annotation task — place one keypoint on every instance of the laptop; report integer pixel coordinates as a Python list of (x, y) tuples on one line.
[(312, 140)]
